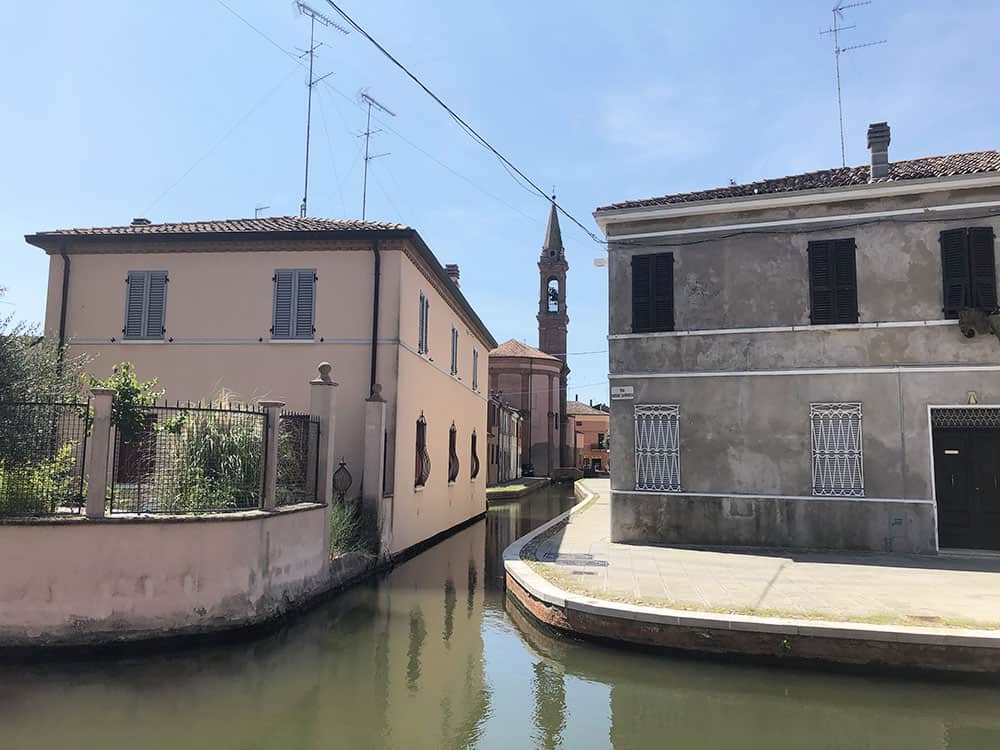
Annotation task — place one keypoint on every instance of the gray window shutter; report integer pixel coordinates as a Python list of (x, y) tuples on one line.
[(282, 321), (305, 303), (135, 304), (421, 344), (427, 325), (156, 305)]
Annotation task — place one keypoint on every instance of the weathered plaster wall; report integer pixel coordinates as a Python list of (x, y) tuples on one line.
[(82, 581)]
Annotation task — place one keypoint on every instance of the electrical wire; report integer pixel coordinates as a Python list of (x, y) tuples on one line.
[(472, 132)]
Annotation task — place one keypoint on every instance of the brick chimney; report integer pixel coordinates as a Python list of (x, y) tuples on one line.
[(878, 145), (452, 270)]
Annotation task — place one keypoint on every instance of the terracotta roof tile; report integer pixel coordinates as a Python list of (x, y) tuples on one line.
[(974, 162), (263, 224), (515, 348), (580, 408)]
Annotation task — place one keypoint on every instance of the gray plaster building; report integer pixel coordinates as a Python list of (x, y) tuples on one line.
[(788, 365)]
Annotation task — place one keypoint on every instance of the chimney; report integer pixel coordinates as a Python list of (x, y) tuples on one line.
[(878, 144), (139, 222), (452, 270)]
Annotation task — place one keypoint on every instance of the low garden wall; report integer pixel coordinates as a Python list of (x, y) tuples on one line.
[(79, 581)]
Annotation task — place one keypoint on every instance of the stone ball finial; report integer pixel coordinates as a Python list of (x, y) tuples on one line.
[(376, 394), (324, 372)]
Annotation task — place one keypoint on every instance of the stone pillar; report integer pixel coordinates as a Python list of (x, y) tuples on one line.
[(322, 406), (273, 409), (373, 478), (98, 450)]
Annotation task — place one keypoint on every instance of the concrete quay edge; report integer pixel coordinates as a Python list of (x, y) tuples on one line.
[(897, 646)]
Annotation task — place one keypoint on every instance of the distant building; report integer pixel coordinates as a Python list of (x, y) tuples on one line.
[(251, 306), (809, 361), (590, 426), (503, 457), (534, 380)]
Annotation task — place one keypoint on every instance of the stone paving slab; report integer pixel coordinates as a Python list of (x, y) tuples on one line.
[(946, 591)]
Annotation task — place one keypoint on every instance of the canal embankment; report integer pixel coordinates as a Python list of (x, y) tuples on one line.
[(925, 613), (516, 488)]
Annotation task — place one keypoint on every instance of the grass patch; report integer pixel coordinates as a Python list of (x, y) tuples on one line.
[(353, 529)]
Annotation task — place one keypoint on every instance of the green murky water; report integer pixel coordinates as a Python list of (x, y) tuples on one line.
[(431, 656)]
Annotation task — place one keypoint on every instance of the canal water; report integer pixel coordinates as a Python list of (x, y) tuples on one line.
[(432, 656)]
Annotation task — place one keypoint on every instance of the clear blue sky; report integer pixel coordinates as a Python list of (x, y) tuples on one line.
[(106, 105)]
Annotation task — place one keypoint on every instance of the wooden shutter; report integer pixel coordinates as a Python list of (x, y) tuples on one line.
[(663, 292), (283, 289), (156, 305), (641, 303), (305, 303), (821, 284), (135, 305), (421, 345), (845, 278), (955, 271), (983, 265)]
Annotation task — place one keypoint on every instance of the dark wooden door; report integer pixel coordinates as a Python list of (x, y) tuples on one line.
[(967, 484)]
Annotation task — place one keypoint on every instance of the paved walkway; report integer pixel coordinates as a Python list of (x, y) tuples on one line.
[(922, 591)]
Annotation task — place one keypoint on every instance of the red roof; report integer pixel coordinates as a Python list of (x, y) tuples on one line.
[(515, 348), (263, 224)]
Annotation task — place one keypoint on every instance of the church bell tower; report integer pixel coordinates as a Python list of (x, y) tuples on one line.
[(553, 322)]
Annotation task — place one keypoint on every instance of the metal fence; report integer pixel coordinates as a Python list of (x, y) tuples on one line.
[(298, 458), (43, 451), (190, 459)]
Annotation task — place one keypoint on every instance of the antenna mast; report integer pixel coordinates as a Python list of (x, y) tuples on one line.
[(835, 29), (314, 16), (368, 133)]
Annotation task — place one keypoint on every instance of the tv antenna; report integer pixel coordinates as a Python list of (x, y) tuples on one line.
[(368, 133), (258, 208), (314, 16), (834, 30)]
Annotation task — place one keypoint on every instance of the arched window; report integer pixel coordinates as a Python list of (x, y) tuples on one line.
[(553, 295), (423, 462), (475, 457), (452, 453)]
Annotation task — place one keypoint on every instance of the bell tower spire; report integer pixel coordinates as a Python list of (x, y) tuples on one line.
[(553, 320)]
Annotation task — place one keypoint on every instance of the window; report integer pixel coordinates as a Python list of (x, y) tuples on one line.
[(837, 456), (600, 440), (657, 447), (425, 313), (833, 282), (452, 453), (423, 463), (475, 369), (653, 292), (552, 295), (145, 305), (968, 268), (454, 350), (294, 303), (475, 458)]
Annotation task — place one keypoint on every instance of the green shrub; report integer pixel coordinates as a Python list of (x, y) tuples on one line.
[(39, 487), (131, 399), (213, 461), (353, 529)]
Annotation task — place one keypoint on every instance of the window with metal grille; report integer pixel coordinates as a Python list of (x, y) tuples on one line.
[(968, 270), (454, 350), (657, 447), (475, 458), (423, 462), (145, 305), (837, 453), (425, 313), (294, 303), (452, 453), (833, 282), (653, 292), (475, 369)]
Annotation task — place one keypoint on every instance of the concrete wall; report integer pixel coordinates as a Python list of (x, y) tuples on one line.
[(83, 581), (744, 395)]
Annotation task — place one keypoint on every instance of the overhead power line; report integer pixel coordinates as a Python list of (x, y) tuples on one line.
[(472, 132)]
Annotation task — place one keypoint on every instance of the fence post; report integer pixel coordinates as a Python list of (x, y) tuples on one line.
[(100, 449), (273, 409), (372, 480), (323, 406)]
